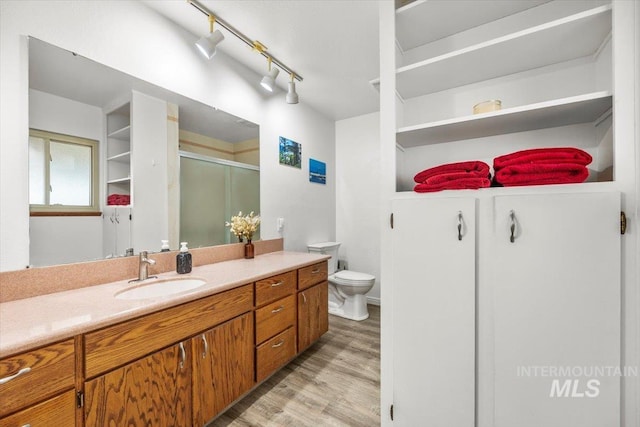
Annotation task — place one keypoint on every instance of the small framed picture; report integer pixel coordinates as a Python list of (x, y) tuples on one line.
[(317, 171), (290, 153)]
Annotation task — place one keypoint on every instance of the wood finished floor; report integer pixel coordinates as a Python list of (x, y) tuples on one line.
[(336, 382)]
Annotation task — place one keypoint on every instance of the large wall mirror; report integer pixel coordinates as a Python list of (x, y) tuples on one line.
[(163, 166)]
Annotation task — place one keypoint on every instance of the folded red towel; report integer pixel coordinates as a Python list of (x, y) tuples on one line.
[(118, 199), (472, 168), (543, 155), (470, 183), (542, 173)]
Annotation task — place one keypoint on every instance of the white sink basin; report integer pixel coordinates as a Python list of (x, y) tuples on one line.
[(160, 288)]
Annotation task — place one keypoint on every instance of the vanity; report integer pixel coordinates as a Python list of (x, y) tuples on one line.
[(84, 357)]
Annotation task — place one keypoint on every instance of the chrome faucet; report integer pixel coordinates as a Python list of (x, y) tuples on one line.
[(143, 267)]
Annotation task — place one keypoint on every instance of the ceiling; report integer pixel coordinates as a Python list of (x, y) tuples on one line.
[(332, 44)]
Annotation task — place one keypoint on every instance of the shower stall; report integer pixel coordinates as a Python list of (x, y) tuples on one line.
[(211, 191)]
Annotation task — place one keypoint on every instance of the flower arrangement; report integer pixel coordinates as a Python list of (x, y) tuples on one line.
[(244, 226)]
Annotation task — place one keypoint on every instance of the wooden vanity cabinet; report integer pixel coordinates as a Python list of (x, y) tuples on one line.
[(223, 367), (155, 390), (313, 304), (40, 385)]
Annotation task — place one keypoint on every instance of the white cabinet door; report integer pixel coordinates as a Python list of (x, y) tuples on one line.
[(556, 291), (116, 228), (434, 312)]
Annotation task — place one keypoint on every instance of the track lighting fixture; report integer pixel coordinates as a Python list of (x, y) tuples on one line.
[(207, 44), (269, 80), (292, 96)]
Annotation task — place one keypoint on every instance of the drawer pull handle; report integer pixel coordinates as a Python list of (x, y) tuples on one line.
[(27, 425), (183, 355), (315, 271), (278, 310), (278, 344), (16, 375), (206, 347), (281, 282)]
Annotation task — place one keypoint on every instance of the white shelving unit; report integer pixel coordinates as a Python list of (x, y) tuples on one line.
[(118, 160), (464, 52)]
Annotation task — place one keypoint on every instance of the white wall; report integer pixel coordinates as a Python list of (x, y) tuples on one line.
[(130, 37), (57, 239), (358, 195)]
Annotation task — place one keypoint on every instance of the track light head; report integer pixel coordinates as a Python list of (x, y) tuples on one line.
[(292, 96), (269, 80), (207, 44)]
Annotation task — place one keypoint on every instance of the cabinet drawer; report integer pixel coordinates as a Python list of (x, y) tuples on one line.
[(312, 274), (274, 353), (275, 287), (118, 345), (45, 372), (275, 318), (58, 411)]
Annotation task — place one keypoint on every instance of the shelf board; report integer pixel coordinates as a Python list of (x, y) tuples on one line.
[(123, 134), (121, 158), (422, 22), (119, 180), (564, 39), (559, 112)]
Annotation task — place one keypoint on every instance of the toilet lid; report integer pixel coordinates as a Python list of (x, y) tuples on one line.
[(354, 277)]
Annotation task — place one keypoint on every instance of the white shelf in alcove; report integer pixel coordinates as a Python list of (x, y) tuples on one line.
[(561, 40), (123, 134), (558, 112), (121, 158), (119, 180), (421, 22)]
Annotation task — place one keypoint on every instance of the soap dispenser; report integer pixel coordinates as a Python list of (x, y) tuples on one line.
[(183, 259)]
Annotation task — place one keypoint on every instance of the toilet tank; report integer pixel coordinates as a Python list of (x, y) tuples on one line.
[(327, 248)]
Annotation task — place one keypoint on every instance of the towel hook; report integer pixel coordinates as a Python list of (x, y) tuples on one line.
[(512, 215), (459, 225)]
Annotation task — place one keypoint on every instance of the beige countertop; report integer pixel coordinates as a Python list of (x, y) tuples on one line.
[(32, 322)]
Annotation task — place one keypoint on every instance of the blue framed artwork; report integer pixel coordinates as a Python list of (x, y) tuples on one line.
[(317, 171), (290, 153)]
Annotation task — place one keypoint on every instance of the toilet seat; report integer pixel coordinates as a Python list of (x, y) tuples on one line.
[(352, 278)]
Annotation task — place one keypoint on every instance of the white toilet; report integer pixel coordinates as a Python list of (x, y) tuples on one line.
[(347, 288)]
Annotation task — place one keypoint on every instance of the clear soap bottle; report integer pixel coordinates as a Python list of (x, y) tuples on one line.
[(183, 259)]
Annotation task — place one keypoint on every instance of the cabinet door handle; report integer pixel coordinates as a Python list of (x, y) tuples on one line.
[(459, 225), (278, 310), (183, 355), (304, 297), (278, 344), (315, 271), (206, 347), (14, 376), (281, 282), (512, 227)]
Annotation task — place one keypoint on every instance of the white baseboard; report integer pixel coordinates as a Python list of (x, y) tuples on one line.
[(373, 301)]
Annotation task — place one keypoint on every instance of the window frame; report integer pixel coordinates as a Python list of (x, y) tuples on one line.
[(67, 210)]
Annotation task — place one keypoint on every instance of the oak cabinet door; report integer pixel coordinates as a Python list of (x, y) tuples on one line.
[(153, 391), (313, 314), (223, 367)]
